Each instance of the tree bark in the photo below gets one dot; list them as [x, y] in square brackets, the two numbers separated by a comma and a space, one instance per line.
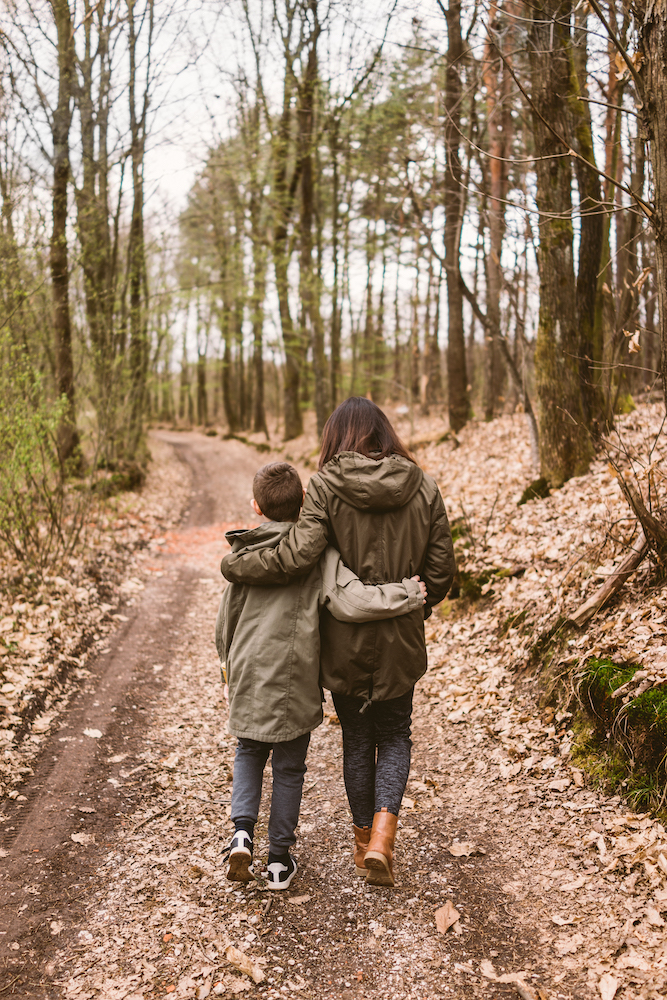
[653, 74]
[67, 435]
[565, 446]
[92, 201]
[613, 583]
[335, 361]
[457, 379]
[309, 276]
[499, 126]
[283, 197]
[591, 233]
[138, 285]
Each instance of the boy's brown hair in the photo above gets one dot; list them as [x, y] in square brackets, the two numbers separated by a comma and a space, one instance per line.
[278, 491]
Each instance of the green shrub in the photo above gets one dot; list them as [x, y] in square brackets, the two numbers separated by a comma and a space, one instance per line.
[40, 520]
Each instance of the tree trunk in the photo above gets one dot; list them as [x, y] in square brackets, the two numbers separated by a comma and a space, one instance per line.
[258, 240]
[68, 438]
[138, 286]
[499, 126]
[309, 277]
[283, 197]
[457, 379]
[335, 292]
[565, 447]
[591, 233]
[93, 217]
[653, 46]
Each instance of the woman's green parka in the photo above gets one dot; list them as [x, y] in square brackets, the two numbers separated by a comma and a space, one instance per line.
[388, 521]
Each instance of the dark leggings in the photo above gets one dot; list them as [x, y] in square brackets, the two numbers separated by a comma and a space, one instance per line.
[376, 753]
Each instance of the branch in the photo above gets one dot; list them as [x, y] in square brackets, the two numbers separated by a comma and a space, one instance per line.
[621, 48]
[653, 529]
[646, 209]
[613, 583]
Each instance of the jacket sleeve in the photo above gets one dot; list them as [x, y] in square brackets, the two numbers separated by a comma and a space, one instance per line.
[294, 555]
[440, 563]
[350, 600]
[231, 605]
[220, 644]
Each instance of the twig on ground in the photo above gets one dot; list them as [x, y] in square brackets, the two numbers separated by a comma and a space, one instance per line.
[156, 815]
[613, 583]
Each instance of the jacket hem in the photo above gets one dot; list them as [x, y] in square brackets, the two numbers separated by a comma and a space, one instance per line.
[278, 737]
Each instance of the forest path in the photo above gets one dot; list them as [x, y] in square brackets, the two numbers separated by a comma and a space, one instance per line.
[493, 824]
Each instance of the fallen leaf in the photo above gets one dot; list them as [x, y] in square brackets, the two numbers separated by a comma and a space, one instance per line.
[464, 849]
[94, 734]
[654, 917]
[299, 899]
[487, 969]
[560, 784]
[608, 986]
[243, 963]
[445, 917]
[572, 886]
[83, 838]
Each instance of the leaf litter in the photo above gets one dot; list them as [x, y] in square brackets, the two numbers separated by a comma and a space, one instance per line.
[585, 878]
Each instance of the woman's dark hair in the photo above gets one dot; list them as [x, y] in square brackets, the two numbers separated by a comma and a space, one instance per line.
[359, 425]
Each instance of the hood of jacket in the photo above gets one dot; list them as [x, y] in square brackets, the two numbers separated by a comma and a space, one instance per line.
[370, 484]
[264, 536]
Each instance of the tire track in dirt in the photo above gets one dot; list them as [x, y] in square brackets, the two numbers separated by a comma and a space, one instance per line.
[77, 787]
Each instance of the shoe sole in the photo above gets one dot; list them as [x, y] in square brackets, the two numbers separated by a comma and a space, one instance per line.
[239, 867]
[362, 872]
[379, 872]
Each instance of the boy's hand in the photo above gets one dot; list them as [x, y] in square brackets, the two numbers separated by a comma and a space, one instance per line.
[422, 587]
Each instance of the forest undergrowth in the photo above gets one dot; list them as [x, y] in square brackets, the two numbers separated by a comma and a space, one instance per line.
[51, 624]
[525, 568]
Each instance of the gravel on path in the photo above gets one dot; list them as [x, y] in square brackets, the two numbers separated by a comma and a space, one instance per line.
[554, 897]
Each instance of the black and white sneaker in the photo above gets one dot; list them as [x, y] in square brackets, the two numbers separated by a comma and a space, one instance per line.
[240, 858]
[281, 870]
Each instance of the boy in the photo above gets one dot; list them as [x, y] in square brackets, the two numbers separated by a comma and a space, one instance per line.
[268, 639]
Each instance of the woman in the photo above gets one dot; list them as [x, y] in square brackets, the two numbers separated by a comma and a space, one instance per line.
[387, 519]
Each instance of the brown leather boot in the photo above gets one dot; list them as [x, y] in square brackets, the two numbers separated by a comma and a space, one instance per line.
[380, 854]
[362, 834]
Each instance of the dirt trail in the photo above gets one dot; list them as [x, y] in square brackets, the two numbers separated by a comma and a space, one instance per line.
[494, 822]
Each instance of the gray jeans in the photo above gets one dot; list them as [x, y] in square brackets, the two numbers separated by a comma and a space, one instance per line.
[288, 764]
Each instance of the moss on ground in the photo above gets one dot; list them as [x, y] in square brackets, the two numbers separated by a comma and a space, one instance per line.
[622, 744]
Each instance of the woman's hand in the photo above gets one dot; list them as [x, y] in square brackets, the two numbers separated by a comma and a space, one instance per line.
[422, 587]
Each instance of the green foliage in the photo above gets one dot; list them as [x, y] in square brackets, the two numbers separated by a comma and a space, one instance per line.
[38, 522]
[622, 746]
[459, 529]
[605, 676]
[124, 476]
[624, 404]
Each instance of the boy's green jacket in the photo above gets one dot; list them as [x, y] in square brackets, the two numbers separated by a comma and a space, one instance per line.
[387, 519]
[269, 637]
